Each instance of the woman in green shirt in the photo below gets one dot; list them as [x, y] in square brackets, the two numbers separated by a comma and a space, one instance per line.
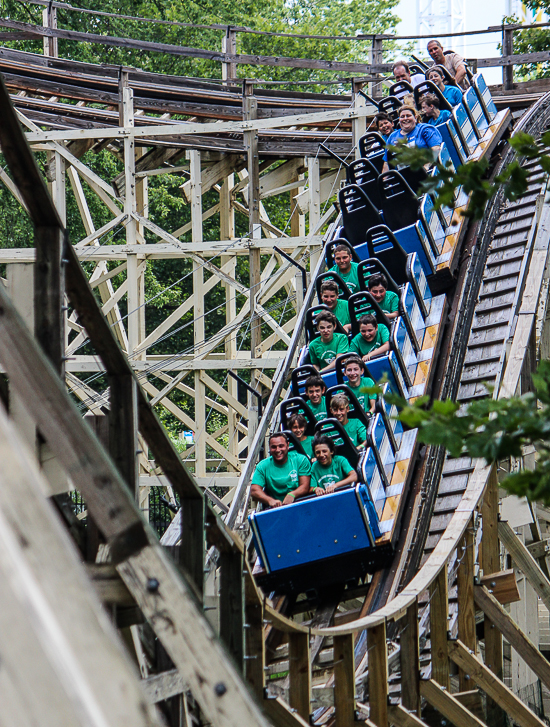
[372, 340]
[346, 268]
[298, 424]
[330, 471]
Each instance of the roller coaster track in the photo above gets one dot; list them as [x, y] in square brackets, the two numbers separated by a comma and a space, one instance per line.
[488, 307]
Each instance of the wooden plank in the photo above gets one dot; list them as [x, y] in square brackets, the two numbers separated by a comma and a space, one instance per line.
[281, 715]
[178, 621]
[513, 634]
[300, 674]
[439, 612]
[410, 660]
[400, 717]
[465, 593]
[378, 675]
[254, 637]
[53, 630]
[231, 565]
[502, 585]
[447, 705]
[123, 421]
[525, 562]
[344, 680]
[498, 691]
[163, 686]
[49, 294]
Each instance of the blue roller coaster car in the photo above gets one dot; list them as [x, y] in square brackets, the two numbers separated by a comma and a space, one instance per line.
[328, 539]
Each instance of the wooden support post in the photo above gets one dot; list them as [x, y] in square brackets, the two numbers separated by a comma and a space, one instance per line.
[123, 423]
[300, 674]
[439, 614]
[513, 634]
[49, 291]
[344, 680]
[281, 715]
[507, 50]
[314, 185]
[378, 675]
[447, 705]
[191, 552]
[490, 563]
[487, 681]
[229, 68]
[232, 604]
[401, 717]
[49, 20]
[525, 562]
[466, 608]
[410, 660]
[377, 56]
[254, 638]
[297, 218]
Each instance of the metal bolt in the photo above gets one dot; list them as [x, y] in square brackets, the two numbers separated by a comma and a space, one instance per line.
[220, 689]
[493, 584]
[466, 676]
[152, 585]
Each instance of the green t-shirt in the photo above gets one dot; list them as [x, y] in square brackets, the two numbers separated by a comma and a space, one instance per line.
[319, 410]
[362, 347]
[321, 354]
[307, 446]
[341, 311]
[390, 304]
[356, 430]
[278, 480]
[338, 470]
[351, 279]
[362, 396]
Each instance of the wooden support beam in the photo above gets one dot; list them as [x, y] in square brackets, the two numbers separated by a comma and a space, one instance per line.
[281, 715]
[490, 563]
[48, 294]
[254, 638]
[439, 614]
[344, 680]
[163, 686]
[123, 426]
[401, 717]
[378, 675]
[465, 588]
[410, 660]
[487, 681]
[231, 563]
[447, 705]
[525, 562]
[513, 634]
[502, 585]
[300, 674]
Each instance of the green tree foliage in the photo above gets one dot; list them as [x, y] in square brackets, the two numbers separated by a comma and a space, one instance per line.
[493, 430]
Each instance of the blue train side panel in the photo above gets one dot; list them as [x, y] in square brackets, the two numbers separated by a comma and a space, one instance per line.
[333, 531]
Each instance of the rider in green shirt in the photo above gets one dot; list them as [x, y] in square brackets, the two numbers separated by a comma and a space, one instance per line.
[297, 424]
[388, 301]
[324, 349]
[283, 476]
[356, 430]
[338, 306]
[346, 268]
[330, 471]
[315, 389]
[372, 340]
[357, 383]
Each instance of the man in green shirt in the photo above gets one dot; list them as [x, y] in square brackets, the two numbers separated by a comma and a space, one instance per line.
[315, 389]
[330, 470]
[282, 477]
[338, 306]
[356, 430]
[388, 301]
[346, 268]
[358, 383]
[324, 349]
[372, 340]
